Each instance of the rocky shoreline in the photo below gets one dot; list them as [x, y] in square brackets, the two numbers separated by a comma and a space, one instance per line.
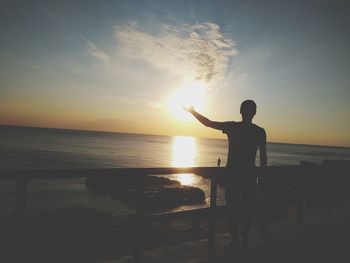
[147, 192]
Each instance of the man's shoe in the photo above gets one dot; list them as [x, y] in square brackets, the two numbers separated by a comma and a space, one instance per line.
[229, 247]
[244, 245]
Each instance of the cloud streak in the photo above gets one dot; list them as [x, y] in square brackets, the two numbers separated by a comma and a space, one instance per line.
[96, 52]
[199, 52]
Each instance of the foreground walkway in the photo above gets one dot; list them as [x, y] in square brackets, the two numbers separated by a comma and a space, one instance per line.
[316, 240]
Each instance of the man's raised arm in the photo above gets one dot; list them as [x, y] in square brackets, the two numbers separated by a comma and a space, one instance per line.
[206, 122]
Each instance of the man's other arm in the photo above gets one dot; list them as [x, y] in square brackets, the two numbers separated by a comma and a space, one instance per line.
[263, 162]
[262, 149]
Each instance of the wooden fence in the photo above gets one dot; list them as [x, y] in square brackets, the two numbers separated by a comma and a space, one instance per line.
[298, 176]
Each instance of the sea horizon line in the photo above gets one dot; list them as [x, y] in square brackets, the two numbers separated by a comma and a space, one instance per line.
[163, 135]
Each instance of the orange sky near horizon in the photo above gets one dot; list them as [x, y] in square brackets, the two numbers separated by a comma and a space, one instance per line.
[166, 126]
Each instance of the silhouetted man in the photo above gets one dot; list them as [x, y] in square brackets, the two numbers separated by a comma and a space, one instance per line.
[245, 138]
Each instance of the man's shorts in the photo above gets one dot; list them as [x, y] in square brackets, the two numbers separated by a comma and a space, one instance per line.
[240, 183]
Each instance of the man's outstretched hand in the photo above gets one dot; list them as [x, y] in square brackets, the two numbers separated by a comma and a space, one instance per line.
[188, 108]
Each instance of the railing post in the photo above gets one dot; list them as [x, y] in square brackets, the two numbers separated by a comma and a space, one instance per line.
[301, 192]
[330, 191]
[20, 199]
[212, 218]
[138, 228]
[262, 195]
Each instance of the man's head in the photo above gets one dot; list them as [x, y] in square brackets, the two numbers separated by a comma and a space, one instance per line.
[248, 110]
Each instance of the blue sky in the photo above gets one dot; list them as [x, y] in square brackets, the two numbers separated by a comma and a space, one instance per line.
[113, 65]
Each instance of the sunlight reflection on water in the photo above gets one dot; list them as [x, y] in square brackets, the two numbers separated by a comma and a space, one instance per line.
[184, 151]
[184, 154]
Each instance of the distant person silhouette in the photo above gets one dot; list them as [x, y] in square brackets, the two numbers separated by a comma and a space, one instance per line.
[219, 162]
[244, 138]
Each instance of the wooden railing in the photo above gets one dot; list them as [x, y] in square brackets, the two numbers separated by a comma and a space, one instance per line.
[294, 175]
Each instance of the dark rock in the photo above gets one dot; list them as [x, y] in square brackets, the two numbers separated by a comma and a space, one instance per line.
[147, 192]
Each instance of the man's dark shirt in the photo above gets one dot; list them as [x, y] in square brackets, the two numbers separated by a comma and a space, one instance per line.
[244, 140]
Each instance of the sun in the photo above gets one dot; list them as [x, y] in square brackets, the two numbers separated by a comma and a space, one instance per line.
[190, 94]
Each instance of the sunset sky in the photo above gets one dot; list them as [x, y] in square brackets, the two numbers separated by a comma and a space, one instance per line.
[128, 66]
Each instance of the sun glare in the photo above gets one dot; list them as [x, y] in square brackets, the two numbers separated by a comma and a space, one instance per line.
[190, 94]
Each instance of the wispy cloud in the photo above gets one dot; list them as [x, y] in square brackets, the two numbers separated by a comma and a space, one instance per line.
[199, 51]
[96, 52]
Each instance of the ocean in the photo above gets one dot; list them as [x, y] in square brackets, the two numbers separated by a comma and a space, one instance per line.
[28, 148]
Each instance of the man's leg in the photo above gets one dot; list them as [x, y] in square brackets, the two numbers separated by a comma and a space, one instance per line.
[231, 197]
[246, 211]
[246, 219]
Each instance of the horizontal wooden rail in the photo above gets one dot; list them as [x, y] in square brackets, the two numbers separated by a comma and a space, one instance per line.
[7, 174]
[77, 173]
